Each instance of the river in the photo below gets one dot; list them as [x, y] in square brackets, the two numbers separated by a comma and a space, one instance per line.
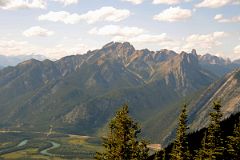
[46, 151]
[14, 148]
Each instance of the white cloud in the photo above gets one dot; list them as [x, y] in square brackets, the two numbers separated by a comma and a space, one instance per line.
[61, 16]
[37, 31]
[114, 30]
[110, 14]
[220, 18]
[61, 50]
[4, 2]
[236, 50]
[134, 35]
[169, 2]
[166, 1]
[13, 47]
[22, 4]
[147, 38]
[130, 34]
[203, 42]
[134, 1]
[214, 3]
[173, 14]
[67, 2]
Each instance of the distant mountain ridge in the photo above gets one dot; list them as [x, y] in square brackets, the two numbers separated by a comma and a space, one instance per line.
[218, 65]
[14, 60]
[79, 93]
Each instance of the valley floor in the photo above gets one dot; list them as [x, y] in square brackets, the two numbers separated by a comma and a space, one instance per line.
[22, 145]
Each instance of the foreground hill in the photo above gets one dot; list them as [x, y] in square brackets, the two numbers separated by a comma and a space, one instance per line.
[79, 94]
[226, 90]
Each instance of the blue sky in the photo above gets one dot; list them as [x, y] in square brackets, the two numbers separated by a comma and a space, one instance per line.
[56, 28]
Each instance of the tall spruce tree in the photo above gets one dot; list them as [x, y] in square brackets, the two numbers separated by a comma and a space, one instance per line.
[180, 148]
[199, 154]
[234, 142]
[212, 148]
[121, 142]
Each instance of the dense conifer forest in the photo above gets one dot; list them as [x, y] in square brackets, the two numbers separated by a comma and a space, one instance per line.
[220, 140]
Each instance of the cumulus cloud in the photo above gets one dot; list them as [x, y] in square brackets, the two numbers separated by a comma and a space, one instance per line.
[110, 14]
[13, 47]
[37, 31]
[155, 40]
[61, 50]
[203, 42]
[220, 18]
[134, 1]
[61, 16]
[134, 35]
[67, 2]
[236, 50]
[214, 3]
[173, 14]
[166, 1]
[114, 30]
[22, 4]
[148, 38]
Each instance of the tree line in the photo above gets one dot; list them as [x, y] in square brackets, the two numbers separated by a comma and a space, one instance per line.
[212, 143]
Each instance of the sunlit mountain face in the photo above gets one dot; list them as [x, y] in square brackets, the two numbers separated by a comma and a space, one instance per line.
[79, 93]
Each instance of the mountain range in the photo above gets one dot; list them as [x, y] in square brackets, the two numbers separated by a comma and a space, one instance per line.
[80, 93]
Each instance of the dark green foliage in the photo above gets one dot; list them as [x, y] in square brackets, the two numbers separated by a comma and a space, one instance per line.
[212, 147]
[234, 142]
[180, 148]
[161, 155]
[228, 143]
[121, 142]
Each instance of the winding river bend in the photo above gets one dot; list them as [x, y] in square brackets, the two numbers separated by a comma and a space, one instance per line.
[46, 151]
[24, 142]
[14, 148]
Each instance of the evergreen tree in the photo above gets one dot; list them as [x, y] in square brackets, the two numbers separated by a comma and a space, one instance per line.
[121, 142]
[234, 143]
[161, 155]
[180, 148]
[213, 149]
[199, 154]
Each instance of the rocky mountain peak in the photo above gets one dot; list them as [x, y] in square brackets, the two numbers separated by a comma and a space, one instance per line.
[194, 52]
[189, 58]
[118, 46]
[211, 59]
[117, 50]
